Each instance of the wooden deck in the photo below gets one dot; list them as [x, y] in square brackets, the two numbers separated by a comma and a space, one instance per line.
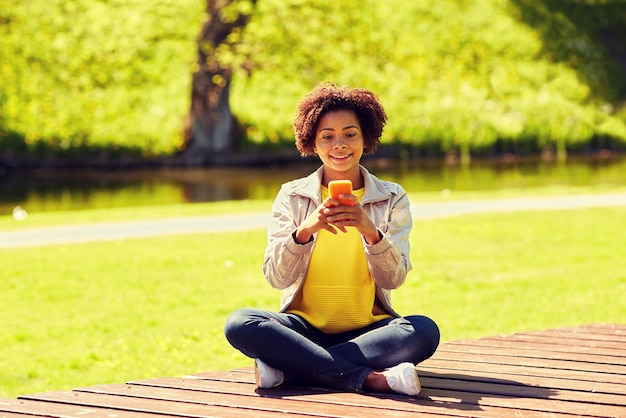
[560, 372]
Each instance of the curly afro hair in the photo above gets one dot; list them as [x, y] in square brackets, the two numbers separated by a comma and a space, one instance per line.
[330, 97]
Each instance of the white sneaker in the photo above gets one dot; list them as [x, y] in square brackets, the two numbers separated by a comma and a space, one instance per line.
[266, 376]
[403, 379]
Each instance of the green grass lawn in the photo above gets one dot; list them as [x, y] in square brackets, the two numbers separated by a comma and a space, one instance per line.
[53, 218]
[104, 312]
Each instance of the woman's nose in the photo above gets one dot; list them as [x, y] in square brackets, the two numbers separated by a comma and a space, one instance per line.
[340, 142]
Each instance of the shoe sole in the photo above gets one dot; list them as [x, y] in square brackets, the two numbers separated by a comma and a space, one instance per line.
[257, 375]
[417, 381]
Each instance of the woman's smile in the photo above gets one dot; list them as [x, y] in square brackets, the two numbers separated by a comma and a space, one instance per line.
[341, 158]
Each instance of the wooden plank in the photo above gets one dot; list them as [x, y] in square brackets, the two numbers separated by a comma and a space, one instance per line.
[152, 406]
[550, 406]
[593, 371]
[613, 354]
[612, 329]
[560, 372]
[612, 325]
[554, 344]
[532, 351]
[581, 334]
[236, 375]
[558, 340]
[615, 328]
[530, 380]
[383, 404]
[482, 375]
[307, 399]
[14, 415]
[490, 385]
[10, 408]
[460, 364]
[513, 388]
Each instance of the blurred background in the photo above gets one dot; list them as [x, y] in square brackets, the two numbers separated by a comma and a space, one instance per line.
[139, 102]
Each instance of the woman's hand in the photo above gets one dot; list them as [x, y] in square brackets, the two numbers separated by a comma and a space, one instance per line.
[315, 221]
[344, 216]
[330, 215]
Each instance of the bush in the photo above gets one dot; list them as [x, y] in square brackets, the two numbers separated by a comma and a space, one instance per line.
[84, 74]
[455, 76]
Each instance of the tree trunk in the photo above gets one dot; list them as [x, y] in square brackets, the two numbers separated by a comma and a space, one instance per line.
[211, 130]
[212, 125]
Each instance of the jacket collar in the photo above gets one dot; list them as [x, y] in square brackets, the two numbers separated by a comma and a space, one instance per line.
[311, 186]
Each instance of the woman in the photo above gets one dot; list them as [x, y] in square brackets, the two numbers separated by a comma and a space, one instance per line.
[337, 264]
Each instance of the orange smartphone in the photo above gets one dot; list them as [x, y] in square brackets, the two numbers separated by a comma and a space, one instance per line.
[337, 187]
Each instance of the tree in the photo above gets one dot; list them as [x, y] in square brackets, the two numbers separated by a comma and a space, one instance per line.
[211, 125]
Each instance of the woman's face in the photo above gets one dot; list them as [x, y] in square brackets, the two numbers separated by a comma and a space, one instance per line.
[339, 144]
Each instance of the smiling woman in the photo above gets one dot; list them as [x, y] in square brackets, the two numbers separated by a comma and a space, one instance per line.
[336, 263]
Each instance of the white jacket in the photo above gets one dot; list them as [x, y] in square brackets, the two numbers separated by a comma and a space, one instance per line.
[387, 205]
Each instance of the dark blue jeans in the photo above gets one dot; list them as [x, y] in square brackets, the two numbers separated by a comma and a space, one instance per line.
[342, 361]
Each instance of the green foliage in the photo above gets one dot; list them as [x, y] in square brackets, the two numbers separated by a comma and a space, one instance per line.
[454, 75]
[85, 74]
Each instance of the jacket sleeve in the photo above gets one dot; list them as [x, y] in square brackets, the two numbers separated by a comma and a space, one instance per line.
[285, 260]
[389, 259]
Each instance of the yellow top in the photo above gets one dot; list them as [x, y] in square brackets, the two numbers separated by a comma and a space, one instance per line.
[338, 293]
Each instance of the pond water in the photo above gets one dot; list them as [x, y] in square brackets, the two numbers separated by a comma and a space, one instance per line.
[54, 190]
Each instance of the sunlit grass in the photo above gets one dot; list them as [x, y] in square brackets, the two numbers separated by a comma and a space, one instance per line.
[44, 219]
[102, 312]
[137, 308]
[514, 193]
[499, 273]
